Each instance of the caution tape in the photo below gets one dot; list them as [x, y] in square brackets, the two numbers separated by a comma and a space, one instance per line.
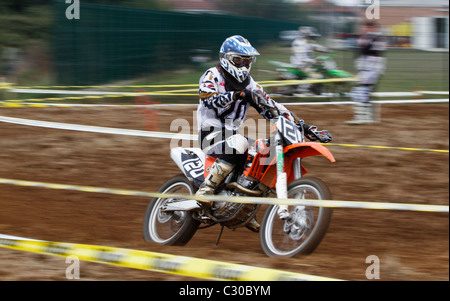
[390, 147]
[159, 262]
[161, 105]
[12, 86]
[305, 81]
[109, 95]
[166, 135]
[69, 105]
[245, 200]
[269, 82]
[183, 92]
[79, 105]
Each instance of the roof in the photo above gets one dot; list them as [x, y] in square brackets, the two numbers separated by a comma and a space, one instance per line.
[409, 3]
[415, 3]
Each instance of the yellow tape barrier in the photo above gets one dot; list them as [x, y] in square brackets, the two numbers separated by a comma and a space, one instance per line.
[182, 92]
[389, 147]
[268, 82]
[248, 200]
[106, 95]
[159, 262]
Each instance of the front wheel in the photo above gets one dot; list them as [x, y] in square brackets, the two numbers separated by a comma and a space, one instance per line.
[306, 227]
[170, 228]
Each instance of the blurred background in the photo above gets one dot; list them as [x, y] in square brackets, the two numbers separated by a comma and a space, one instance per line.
[174, 41]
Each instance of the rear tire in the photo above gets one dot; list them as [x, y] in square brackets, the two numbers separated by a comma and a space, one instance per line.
[170, 228]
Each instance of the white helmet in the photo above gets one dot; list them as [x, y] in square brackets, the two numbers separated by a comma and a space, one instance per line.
[309, 33]
[237, 56]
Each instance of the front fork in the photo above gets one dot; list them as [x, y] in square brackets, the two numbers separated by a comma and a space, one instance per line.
[281, 184]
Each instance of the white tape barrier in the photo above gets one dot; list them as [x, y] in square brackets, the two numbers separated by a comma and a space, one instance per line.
[245, 200]
[403, 101]
[164, 135]
[11, 237]
[96, 129]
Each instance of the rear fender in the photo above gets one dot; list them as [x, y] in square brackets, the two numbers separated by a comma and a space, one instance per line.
[190, 161]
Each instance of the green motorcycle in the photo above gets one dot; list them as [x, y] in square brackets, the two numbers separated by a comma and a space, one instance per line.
[324, 68]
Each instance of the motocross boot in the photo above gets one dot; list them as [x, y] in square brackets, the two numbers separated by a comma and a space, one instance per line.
[218, 172]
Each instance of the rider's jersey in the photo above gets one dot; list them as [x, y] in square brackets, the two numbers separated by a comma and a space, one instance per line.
[217, 109]
[371, 47]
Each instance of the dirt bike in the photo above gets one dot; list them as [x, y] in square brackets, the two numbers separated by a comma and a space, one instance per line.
[324, 68]
[273, 165]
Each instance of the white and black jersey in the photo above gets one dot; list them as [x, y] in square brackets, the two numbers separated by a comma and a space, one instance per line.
[370, 64]
[371, 47]
[217, 110]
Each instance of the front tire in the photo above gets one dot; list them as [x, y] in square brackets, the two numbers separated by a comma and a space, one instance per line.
[301, 234]
[170, 228]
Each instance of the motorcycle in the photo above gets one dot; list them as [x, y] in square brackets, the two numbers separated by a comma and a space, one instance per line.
[324, 68]
[273, 166]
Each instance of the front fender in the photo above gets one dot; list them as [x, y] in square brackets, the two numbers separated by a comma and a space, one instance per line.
[307, 149]
[291, 152]
[302, 150]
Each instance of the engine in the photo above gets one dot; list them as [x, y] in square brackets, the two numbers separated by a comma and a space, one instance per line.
[230, 214]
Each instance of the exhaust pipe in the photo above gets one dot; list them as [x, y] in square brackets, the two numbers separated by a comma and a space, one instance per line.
[245, 190]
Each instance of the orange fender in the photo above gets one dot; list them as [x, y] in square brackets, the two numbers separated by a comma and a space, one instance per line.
[307, 149]
[302, 150]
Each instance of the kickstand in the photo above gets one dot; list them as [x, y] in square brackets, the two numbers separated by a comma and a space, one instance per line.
[220, 235]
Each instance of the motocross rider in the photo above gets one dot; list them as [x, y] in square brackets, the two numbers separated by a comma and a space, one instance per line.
[370, 64]
[226, 92]
[303, 49]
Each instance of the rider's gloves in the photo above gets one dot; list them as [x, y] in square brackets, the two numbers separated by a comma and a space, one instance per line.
[254, 97]
[244, 94]
[313, 134]
[258, 100]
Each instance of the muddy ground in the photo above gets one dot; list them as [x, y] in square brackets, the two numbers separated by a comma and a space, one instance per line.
[410, 245]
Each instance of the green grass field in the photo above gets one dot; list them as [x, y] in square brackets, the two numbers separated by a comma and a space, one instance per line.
[407, 69]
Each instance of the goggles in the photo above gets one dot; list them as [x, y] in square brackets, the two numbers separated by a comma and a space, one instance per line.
[241, 60]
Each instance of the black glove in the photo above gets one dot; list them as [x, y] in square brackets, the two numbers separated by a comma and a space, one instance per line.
[313, 134]
[244, 94]
[254, 97]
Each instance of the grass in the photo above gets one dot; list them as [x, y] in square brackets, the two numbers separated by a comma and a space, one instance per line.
[407, 70]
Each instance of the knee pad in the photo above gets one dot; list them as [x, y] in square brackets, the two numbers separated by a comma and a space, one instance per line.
[237, 143]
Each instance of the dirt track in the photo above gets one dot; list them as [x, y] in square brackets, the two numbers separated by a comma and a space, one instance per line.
[410, 245]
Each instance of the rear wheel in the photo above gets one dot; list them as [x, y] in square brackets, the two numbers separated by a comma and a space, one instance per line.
[306, 227]
[174, 227]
